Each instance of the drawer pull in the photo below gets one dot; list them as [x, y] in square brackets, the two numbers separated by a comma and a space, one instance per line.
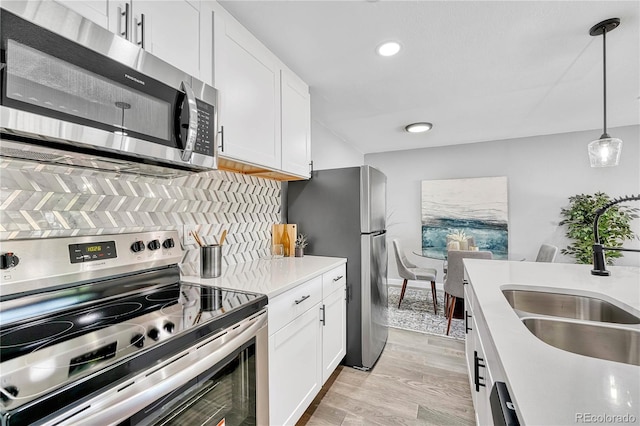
[477, 363]
[302, 299]
[338, 278]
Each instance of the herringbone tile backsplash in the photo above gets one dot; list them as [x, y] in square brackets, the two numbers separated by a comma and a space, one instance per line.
[42, 201]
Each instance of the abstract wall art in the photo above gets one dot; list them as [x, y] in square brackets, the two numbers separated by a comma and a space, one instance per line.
[477, 207]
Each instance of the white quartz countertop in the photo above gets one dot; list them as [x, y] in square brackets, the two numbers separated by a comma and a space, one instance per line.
[550, 386]
[270, 276]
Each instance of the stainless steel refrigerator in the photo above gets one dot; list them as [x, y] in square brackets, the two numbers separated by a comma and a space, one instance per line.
[343, 213]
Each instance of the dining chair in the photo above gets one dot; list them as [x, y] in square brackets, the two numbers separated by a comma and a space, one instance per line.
[547, 253]
[454, 281]
[410, 272]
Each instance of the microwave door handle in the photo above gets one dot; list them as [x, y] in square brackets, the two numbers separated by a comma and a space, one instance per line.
[192, 130]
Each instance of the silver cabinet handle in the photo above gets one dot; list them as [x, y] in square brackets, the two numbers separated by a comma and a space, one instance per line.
[141, 26]
[338, 278]
[302, 299]
[125, 14]
[221, 133]
[322, 320]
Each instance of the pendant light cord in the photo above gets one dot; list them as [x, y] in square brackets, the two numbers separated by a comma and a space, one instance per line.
[604, 78]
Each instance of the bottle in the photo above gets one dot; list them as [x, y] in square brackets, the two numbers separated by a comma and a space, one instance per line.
[286, 242]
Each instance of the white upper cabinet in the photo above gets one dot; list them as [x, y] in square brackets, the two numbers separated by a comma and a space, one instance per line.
[247, 76]
[265, 109]
[168, 29]
[296, 124]
[94, 10]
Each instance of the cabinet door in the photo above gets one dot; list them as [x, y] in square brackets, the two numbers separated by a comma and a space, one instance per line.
[247, 75]
[295, 371]
[95, 10]
[479, 379]
[296, 125]
[171, 31]
[334, 331]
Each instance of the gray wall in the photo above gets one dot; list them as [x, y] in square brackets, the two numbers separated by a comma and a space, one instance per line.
[542, 172]
[328, 151]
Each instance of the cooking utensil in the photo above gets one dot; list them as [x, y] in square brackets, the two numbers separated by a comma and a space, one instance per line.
[197, 238]
[223, 236]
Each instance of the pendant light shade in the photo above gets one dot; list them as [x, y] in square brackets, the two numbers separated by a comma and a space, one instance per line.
[604, 152]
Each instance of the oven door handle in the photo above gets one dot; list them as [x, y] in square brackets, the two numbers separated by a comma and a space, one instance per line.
[123, 401]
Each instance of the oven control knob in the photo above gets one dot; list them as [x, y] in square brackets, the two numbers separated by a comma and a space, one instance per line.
[11, 390]
[154, 334]
[8, 260]
[137, 246]
[168, 243]
[169, 327]
[153, 245]
[138, 340]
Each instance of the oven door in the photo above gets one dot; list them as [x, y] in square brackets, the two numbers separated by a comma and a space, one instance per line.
[222, 381]
[71, 90]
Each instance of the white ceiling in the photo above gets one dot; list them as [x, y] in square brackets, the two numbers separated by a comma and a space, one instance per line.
[477, 70]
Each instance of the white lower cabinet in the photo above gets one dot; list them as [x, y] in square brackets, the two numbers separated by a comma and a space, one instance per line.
[334, 330]
[295, 377]
[482, 361]
[307, 341]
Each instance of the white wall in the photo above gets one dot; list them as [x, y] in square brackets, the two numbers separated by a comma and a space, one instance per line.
[542, 172]
[330, 152]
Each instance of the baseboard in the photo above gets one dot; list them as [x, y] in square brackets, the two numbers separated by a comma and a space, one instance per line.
[397, 282]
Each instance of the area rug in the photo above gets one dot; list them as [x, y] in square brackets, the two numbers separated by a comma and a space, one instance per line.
[416, 313]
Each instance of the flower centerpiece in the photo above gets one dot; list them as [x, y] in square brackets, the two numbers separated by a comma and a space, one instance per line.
[457, 240]
[301, 243]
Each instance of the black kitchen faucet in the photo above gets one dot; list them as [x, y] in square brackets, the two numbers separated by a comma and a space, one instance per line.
[599, 264]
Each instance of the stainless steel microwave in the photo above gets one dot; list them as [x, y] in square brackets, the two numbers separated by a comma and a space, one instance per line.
[74, 92]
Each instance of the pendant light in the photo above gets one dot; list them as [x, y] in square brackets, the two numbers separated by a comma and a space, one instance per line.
[605, 151]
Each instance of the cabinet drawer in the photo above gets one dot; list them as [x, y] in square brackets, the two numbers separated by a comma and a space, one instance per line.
[333, 279]
[289, 305]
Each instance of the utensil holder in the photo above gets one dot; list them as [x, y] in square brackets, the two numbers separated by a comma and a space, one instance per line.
[211, 261]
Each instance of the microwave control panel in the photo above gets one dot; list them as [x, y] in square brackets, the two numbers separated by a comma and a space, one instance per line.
[206, 130]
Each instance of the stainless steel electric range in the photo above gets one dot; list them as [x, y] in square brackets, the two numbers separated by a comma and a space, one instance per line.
[100, 330]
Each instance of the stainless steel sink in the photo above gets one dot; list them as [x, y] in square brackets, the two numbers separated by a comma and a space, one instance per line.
[597, 341]
[568, 306]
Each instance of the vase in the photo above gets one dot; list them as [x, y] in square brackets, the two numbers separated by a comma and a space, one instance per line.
[453, 245]
[464, 245]
[299, 252]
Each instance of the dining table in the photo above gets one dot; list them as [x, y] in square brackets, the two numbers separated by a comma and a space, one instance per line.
[438, 253]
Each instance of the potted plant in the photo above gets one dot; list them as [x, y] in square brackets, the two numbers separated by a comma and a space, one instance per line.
[614, 226]
[301, 243]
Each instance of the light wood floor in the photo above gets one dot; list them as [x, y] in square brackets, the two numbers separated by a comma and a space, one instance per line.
[420, 379]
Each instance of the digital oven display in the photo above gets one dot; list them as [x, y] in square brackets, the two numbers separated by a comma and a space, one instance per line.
[87, 360]
[89, 252]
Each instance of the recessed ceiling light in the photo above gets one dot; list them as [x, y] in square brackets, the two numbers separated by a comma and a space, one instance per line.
[418, 127]
[389, 48]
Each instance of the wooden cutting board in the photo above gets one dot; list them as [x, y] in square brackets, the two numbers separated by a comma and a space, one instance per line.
[277, 232]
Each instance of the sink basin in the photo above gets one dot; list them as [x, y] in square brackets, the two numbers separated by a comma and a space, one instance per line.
[613, 344]
[568, 306]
